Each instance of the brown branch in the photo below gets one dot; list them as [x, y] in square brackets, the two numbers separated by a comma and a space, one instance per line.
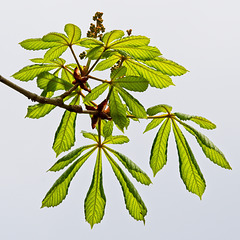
[56, 101]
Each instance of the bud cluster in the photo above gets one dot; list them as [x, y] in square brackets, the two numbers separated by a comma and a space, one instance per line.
[97, 29]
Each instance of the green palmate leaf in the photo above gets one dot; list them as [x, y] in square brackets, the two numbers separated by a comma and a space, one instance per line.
[140, 52]
[49, 82]
[155, 78]
[202, 122]
[95, 201]
[158, 156]
[209, 149]
[166, 66]
[118, 73]
[189, 169]
[69, 158]
[55, 52]
[90, 42]
[56, 37]
[96, 92]
[133, 201]
[95, 53]
[37, 44]
[91, 136]
[111, 36]
[116, 140]
[154, 123]
[135, 171]
[59, 190]
[158, 109]
[65, 135]
[73, 32]
[107, 129]
[133, 104]
[117, 110]
[107, 63]
[30, 72]
[133, 83]
[131, 41]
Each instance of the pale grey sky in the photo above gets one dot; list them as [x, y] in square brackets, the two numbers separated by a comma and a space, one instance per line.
[204, 37]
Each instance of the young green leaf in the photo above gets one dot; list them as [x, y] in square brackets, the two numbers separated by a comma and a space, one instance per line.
[65, 135]
[116, 140]
[95, 200]
[154, 123]
[107, 129]
[49, 82]
[90, 42]
[37, 44]
[202, 122]
[155, 78]
[158, 109]
[130, 41]
[91, 136]
[56, 37]
[140, 52]
[158, 157]
[117, 110]
[133, 83]
[209, 149]
[96, 92]
[30, 72]
[95, 53]
[73, 32]
[166, 66]
[133, 201]
[118, 73]
[69, 158]
[59, 190]
[39, 110]
[189, 169]
[111, 36]
[135, 171]
[55, 52]
[107, 63]
[133, 104]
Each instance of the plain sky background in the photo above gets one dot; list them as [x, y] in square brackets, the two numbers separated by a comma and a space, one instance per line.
[204, 37]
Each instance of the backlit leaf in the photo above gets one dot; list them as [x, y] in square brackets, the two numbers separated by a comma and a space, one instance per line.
[133, 83]
[65, 135]
[117, 110]
[49, 82]
[158, 156]
[107, 63]
[135, 171]
[158, 109]
[140, 52]
[209, 149]
[202, 122]
[155, 78]
[118, 72]
[154, 123]
[90, 42]
[69, 158]
[130, 41]
[111, 36]
[91, 136]
[55, 52]
[95, 53]
[37, 44]
[107, 129]
[133, 201]
[189, 169]
[73, 32]
[95, 201]
[59, 190]
[166, 66]
[96, 92]
[116, 140]
[56, 37]
[30, 72]
[133, 104]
